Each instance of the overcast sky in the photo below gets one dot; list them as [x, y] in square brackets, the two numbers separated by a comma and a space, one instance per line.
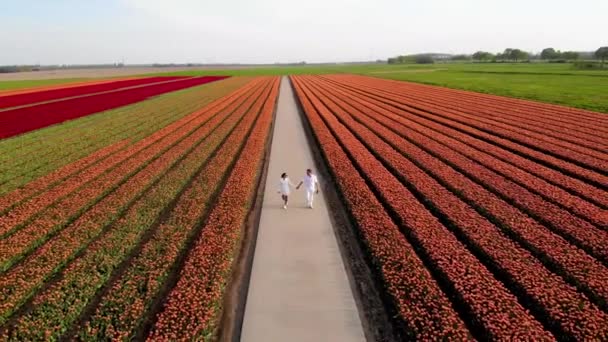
[269, 31]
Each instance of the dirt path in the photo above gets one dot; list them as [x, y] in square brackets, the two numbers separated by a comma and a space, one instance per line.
[299, 290]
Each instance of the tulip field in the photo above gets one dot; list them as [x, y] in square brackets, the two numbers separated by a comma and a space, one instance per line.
[135, 238]
[124, 204]
[483, 217]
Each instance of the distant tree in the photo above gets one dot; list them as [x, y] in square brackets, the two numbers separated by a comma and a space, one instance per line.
[549, 53]
[569, 55]
[392, 60]
[424, 59]
[515, 54]
[482, 56]
[602, 53]
[460, 58]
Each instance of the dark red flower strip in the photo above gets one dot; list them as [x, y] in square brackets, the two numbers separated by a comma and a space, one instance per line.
[21, 281]
[532, 183]
[10, 200]
[67, 206]
[25, 119]
[7, 101]
[565, 308]
[573, 130]
[539, 108]
[191, 305]
[565, 166]
[584, 190]
[11, 92]
[494, 309]
[577, 154]
[574, 264]
[59, 305]
[122, 310]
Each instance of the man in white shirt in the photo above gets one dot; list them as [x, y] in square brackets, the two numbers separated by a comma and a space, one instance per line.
[311, 184]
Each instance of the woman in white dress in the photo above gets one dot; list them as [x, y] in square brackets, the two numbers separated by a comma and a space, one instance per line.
[285, 186]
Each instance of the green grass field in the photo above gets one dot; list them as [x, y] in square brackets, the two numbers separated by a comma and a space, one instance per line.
[558, 83]
[22, 84]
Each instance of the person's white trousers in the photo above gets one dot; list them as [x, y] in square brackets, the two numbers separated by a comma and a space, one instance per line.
[310, 193]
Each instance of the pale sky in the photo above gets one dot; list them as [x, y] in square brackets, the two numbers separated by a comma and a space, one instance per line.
[269, 31]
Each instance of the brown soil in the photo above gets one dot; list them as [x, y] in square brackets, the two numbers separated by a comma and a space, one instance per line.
[92, 73]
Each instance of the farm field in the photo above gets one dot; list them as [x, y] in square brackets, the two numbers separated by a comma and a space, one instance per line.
[558, 83]
[483, 217]
[108, 244]
[125, 204]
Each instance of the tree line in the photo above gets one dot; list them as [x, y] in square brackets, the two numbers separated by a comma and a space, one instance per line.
[508, 55]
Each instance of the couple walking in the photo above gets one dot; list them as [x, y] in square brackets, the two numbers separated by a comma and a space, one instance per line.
[311, 185]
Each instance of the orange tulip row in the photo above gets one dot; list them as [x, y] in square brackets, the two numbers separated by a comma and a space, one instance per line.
[192, 305]
[552, 298]
[61, 304]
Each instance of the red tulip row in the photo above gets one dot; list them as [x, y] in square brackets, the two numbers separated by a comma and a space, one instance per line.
[569, 311]
[24, 119]
[532, 183]
[191, 306]
[572, 132]
[542, 112]
[593, 158]
[10, 92]
[10, 200]
[64, 92]
[22, 280]
[495, 310]
[572, 185]
[437, 116]
[579, 268]
[584, 234]
[28, 156]
[422, 307]
[51, 219]
[585, 209]
[59, 305]
[121, 311]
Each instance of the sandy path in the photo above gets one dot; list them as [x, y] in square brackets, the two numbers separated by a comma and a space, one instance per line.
[299, 289]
